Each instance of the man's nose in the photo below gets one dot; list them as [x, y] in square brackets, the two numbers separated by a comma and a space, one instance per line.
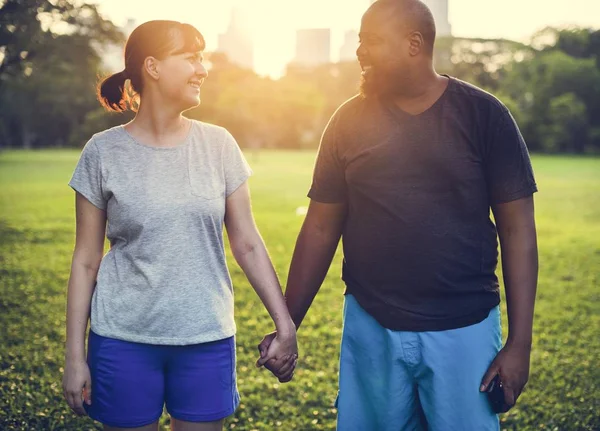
[361, 50]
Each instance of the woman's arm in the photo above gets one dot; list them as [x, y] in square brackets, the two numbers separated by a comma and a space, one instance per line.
[251, 254]
[89, 248]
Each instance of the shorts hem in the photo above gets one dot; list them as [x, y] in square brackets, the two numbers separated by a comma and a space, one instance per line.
[117, 424]
[206, 417]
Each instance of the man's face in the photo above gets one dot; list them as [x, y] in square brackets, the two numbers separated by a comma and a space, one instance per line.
[383, 53]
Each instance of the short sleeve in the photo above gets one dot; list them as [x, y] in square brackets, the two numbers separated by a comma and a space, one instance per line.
[235, 166]
[509, 173]
[329, 180]
[87, 177]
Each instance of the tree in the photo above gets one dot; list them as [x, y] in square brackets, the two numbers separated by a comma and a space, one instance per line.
[48, 68]
[27, 25]
[536, 84]
[568, 128]
[482, 62]
[259, 111]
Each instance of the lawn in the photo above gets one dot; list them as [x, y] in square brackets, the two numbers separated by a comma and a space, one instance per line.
[37, 234]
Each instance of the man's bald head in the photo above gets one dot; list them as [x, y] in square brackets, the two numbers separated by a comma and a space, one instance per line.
[414, 14]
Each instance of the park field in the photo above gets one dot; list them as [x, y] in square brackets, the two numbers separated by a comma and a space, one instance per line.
[36, 243]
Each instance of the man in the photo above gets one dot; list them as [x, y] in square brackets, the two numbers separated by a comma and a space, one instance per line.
[406, 174]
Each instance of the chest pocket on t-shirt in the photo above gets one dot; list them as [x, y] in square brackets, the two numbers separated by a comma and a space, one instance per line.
[206, 181]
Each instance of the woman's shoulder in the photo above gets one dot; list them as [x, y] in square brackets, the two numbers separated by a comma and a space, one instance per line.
[110, 137]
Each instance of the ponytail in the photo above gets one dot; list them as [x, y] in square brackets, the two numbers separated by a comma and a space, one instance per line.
[112, 93]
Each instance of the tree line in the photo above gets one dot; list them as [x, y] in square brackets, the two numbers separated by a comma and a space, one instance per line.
[51, 58]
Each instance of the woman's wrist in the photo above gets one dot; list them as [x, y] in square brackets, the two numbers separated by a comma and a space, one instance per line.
[285, 327]
[74, 351]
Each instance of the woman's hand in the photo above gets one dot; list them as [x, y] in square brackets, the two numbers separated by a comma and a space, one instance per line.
[77, 385]
[279, 354]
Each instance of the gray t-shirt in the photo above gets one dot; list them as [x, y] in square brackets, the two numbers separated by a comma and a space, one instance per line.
[164, 279]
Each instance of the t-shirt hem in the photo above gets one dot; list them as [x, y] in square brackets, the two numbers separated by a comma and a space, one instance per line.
[100, 204]
[136, 338]
[528, 191]
[437, 325]
[413, 324]
[238, 183]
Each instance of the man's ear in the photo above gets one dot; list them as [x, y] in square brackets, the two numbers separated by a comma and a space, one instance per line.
[151, 67]
[415, 43]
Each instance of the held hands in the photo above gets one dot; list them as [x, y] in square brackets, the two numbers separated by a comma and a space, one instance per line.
[512, 364]
[279, 354]
[77, 386]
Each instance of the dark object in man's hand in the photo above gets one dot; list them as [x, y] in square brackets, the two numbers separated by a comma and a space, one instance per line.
[495, 395]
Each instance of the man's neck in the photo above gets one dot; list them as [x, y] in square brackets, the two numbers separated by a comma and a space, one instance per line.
[425, 90]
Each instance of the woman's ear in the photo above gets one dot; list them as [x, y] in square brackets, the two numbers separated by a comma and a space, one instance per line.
[151, 67]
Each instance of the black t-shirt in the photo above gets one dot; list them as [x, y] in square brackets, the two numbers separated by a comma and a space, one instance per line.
[420, 249]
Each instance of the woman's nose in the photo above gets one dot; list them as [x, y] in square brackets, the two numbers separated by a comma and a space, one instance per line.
[201, 71]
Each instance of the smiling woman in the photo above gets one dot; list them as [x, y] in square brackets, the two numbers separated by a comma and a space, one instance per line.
[166, 41]
[161, 188]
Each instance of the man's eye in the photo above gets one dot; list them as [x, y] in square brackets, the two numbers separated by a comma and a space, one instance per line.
[368, 41]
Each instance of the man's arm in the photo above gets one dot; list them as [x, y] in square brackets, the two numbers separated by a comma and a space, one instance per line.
[313, 253]
[518, 244]
[315, 247]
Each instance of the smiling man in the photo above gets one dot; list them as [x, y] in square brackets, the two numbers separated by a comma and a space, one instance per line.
[406, 175]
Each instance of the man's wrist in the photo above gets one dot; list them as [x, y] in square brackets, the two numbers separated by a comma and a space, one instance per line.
[522, 342]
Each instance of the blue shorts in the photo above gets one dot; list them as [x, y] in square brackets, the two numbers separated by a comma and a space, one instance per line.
[131, 382]
[398, 380]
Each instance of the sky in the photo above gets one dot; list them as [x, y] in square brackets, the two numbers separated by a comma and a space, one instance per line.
[273, 23]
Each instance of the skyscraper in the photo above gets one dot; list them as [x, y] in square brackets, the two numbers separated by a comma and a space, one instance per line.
[348, 49]
[236, 42]
[439, 9]
[313, 46]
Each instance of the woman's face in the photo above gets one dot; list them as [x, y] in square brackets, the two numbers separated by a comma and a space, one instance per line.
[181, 76]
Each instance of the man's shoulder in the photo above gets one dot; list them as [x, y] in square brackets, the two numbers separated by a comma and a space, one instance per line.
[349, 109]
[352, 103]
[465, 92]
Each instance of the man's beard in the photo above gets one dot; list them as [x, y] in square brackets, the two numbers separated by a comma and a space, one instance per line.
[367, 88]
[381, 84]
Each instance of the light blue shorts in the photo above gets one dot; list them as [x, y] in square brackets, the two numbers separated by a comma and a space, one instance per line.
[399, 380]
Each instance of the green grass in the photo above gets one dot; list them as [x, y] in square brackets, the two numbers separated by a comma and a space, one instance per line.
[37, 234]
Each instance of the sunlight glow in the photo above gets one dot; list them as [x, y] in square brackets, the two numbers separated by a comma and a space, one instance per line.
[272, 24]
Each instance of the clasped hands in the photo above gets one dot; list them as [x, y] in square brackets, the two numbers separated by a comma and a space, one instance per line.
[279, 354]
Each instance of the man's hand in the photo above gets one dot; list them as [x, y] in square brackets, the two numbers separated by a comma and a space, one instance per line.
[282, 368]
[512, 364]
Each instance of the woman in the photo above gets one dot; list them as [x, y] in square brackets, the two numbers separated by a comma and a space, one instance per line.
[160, 302]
